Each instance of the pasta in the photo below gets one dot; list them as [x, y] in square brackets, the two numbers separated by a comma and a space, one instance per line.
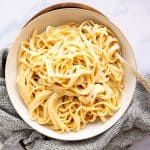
[69, 75]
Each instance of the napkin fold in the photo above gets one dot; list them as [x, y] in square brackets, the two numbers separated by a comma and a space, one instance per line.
[134, 125]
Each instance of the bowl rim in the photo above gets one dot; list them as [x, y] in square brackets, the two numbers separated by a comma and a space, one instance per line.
[63, 5]
[66, 139]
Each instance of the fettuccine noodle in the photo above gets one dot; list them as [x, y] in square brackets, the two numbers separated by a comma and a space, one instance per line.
[69, 75]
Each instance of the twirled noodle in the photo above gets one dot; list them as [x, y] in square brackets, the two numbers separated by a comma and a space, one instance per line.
[69, 75]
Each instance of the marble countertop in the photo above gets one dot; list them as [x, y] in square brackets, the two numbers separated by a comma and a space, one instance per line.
[132, 17]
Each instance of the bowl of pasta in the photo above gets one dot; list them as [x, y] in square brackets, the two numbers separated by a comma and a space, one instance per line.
[63, 73]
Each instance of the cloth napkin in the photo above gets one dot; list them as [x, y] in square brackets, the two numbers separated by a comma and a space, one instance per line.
[134, 125]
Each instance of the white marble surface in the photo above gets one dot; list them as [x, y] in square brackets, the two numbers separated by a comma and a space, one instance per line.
[131, 16]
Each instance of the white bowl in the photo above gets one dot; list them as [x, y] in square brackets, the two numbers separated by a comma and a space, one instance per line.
[57, 17]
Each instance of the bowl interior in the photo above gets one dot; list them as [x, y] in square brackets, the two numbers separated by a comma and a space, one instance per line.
[58, 17]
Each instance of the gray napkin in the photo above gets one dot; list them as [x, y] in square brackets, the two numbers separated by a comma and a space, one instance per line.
[134, 125]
